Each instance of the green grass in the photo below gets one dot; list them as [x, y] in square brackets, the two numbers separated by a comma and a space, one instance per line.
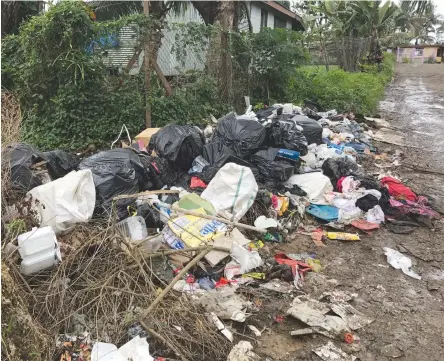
[341, 90]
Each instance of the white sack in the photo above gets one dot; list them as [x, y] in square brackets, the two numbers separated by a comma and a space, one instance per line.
[232, 191]
[314, 184]
[65, 201]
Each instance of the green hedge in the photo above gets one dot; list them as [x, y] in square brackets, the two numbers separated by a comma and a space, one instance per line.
[341, 90]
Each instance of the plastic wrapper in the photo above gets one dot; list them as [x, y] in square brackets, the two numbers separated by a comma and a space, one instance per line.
[242, 136]
[179, 144]
[284, 134]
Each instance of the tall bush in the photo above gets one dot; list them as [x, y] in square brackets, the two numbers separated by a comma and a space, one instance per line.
[68, 96]
[343, 90]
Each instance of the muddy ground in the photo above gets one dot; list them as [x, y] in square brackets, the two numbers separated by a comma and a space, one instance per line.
[408, 313]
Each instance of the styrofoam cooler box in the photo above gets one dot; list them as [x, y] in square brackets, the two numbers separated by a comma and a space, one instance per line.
[41, 260]
[37, 240]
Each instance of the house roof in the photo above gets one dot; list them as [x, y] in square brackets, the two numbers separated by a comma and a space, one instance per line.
[295, 18]
[421, 46]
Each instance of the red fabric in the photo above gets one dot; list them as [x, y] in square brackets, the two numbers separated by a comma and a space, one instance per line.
[364, 225]
[339, 184]
[301, 267]
[197, 183]
[223, 282]
[398, 190]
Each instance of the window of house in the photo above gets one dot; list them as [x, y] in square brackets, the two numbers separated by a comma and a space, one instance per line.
[419, 52]
[279, 23]
[264, 18]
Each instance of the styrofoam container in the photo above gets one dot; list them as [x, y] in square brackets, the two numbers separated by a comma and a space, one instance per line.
[37, 240]
[41, 260]
[134, 228]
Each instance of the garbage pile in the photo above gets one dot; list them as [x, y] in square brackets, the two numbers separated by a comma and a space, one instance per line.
[213, 201]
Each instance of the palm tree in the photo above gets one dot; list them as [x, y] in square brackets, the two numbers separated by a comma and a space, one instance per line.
[373, 17]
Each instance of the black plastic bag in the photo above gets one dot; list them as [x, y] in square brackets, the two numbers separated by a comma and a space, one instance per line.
[21, 157]
[217, 154]
[335, 168]
[367, 202]
[266, 112]
[117, 171]
[270, 168]
[284, 134]
[243, 136]
[60, 163]
[179, 144]
[162, 172]
[312, 130]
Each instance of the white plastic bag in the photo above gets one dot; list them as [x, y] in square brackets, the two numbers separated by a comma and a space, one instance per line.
[232, 191]
[65, 201]
[247, 260]
[376, 215]
[398, 261]
[314, 184]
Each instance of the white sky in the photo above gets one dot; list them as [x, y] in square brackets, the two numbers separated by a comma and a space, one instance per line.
[439, 6]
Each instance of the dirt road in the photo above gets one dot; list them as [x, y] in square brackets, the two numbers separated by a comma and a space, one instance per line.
[408, 313]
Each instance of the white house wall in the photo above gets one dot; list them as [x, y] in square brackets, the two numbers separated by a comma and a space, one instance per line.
[167, 59]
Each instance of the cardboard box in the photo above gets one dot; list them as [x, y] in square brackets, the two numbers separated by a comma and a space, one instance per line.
[146, 135]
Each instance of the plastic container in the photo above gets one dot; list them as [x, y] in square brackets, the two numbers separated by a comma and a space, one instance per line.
[37, 240]
[40, 261]
[134, 228]
[288, 154]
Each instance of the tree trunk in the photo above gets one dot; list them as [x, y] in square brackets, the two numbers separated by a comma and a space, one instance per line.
[218, 55]
[207, 9]
[248, 15]
[147, 67]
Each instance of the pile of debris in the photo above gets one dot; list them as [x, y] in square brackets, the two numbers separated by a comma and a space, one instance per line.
[171, 236]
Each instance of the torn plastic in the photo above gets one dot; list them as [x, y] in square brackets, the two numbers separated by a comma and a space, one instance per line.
[136, 349]
[243, 351]
[220, 326]
[398, 261]
[330, 352]
[225, 304]
[248, 260]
